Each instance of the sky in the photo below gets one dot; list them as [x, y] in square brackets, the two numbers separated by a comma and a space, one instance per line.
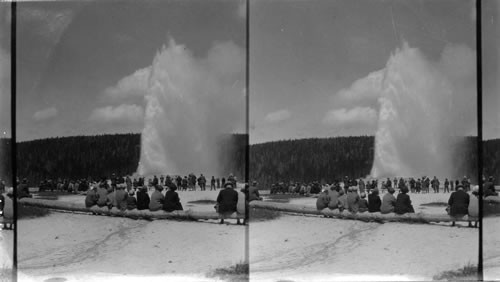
[308, 64]
[491, 63]
[79, 61]
[83, 65]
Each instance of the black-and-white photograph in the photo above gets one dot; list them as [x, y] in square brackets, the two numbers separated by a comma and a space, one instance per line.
[131, 140]
[6, 191]
[491, 137]
[249, 140]
[363, 125]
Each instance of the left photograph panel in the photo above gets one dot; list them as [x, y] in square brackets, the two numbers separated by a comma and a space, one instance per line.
[6, 179]
[131, 139]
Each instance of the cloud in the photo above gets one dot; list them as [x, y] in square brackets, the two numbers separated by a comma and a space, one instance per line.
[131, 86]
[45, 114]
[354, 116]
[278, 116]
[124, 114]
[364, 91]
[455, 69]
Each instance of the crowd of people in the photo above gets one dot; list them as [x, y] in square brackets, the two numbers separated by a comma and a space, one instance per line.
[123, 197]
[188, 182]
[419, 185]
[460, 202]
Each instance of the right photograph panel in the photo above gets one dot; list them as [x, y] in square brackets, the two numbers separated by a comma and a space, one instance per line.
[491, 136]
[363, 140]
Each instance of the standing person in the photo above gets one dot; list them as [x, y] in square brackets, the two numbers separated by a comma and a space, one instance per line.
[435, 184]
[418, 186]
[223, 182]
[361, 185]
[185, 183]
[201, 182]
[155, 181]
[212, 183]
[178, 181]
[446, 186]
[172, 201]
[128, 182]
[388, 201]
[143, 198]
[452, 185]
[157, 199]
[458, 203]
[218, 182]
[227, 201]
[374, 201]
[403, 203]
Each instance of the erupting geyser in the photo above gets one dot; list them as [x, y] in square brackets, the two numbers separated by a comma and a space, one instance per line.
[424, 109]
[190, 103]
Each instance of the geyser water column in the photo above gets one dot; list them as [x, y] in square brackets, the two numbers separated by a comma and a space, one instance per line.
[190, 103]
[414, 131]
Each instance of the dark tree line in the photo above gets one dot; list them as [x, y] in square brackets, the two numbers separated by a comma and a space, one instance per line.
[330, 159]
[491, 159]
[305, 160]
[6, 161]
[78, 157]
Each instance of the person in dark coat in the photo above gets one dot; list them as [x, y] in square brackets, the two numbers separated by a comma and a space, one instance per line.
[143, 199]
[23, 190]
[458, 203]
[131, 201]
[403, 202]
[363, 203]
[91, 198]
[374, 201]
[172, 201]
[227, 201]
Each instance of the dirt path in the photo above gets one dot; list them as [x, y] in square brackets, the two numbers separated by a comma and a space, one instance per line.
[83, 247]
[316, 249]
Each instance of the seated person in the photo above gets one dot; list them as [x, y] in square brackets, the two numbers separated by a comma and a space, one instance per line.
[157, 199]
[131, 201]
[374, 201]
[323, 200]
[363, 203]
[403, 202]
[143, 198]
[91, 198]
[172, 201]
[388, 201]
